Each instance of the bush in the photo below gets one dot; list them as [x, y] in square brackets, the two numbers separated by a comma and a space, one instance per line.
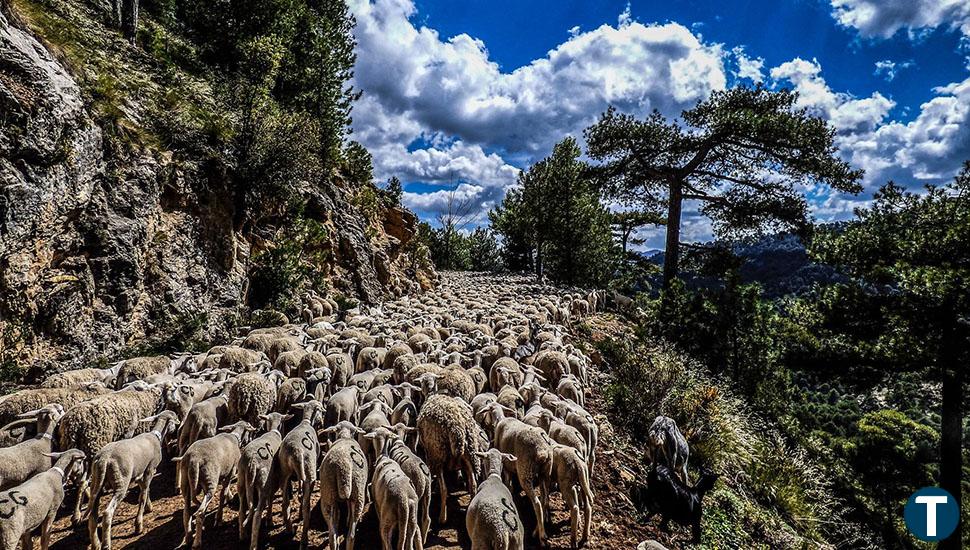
[733, 332]
[181, 332]
[295, 263]
[12, 337]
[775, 487]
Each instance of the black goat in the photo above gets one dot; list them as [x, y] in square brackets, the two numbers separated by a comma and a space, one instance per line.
[674, 500]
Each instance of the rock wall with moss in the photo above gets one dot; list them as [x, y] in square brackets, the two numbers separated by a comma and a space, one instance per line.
[110, 240]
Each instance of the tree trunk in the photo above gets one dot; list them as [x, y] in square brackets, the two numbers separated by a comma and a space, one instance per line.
[672, 251]
[951, 442]
[539, 262]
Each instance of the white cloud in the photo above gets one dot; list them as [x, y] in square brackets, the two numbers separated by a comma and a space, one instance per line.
[748, 67]
[884, 18]
[626, 16]
[889, 68]
[927, 149]
[418, 85]
[451, 200]
[847, 113]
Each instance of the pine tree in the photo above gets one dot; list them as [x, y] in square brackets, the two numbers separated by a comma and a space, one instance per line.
[741, 153]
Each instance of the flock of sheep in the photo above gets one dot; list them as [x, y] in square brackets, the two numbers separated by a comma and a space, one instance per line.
[357, 410]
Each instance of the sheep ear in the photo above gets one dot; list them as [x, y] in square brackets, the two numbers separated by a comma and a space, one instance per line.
[510, 458]
[29, 414]
[370, 436]
[54, 456]
[149, 419]
[287, 417]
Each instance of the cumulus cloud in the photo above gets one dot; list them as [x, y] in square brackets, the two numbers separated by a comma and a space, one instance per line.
[928, 149]
[850, 115]
[889, 68]
[748, 67]
[884, 18]
[418, 85]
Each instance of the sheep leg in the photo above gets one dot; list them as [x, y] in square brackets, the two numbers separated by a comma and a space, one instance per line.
[545, 491]
[27, 541]
[574, 523]
[387, 533]
[81, 492]
[45, 531]
[287, 496]
[109, 512]
[93, 514]
[148, 500]
[256, 520]
[425, 514]
[327, 512]
[352, 531]
[243, 513]
[305, 510]
[145, 504]
[470, 475]
[200, 518]
[443, 493]
[222, 504]
[186, 514]
[536, 501]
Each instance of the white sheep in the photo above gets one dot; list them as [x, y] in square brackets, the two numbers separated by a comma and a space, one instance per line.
[207, 465]
[448, 433]
[297, 460]
[121, 463]
[397, 504]
[492, 520]
[34, 503]
[254, 476]
[343, 481]
[23, 460]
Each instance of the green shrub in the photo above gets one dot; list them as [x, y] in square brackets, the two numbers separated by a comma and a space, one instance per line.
[12, 336]
[181, 332]
[785, 495]
[297, 261]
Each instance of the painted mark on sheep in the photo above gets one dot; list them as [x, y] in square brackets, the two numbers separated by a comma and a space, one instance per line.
[357, 458]
[263, 452]
[509, 515]
[309, 443]
[17, 499]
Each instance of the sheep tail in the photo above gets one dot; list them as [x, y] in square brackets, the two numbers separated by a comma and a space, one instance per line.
[344, 483]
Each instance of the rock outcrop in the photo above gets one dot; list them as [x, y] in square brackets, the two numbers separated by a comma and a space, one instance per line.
[101, 244]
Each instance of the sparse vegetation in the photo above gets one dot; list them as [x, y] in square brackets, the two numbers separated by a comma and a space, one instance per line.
[296, 263]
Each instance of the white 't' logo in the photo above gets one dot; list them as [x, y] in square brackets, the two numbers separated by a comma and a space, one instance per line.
[931, 502]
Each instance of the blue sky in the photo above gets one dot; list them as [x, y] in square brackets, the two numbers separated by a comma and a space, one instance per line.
[461, 95]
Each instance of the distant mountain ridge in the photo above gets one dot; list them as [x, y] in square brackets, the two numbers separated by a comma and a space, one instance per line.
[779, 263]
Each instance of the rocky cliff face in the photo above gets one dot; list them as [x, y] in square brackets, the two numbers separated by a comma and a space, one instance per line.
[101, 246]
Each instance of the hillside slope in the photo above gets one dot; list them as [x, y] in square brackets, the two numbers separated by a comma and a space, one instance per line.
[111, 229]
